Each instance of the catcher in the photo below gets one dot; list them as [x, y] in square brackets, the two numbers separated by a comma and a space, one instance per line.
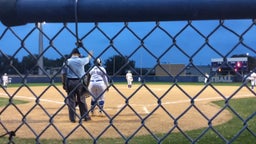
[97, 86]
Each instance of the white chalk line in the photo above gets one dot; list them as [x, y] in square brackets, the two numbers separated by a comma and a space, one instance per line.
[32, 98]
[144, 106]
[146, 110]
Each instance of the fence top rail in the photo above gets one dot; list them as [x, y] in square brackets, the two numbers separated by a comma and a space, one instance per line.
[19, 12]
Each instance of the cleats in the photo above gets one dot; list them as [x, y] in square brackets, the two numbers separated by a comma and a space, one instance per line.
[92, 113]
[101, 114]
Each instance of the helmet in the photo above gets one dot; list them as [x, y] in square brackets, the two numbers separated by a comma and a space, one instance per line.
[98, 61]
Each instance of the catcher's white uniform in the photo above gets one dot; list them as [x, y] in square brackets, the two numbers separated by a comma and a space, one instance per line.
[129, 79]
[97, 86]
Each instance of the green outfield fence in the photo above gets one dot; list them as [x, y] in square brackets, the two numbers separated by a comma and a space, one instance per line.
[37, 36]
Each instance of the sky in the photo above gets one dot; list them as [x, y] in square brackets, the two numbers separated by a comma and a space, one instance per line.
[173, 42]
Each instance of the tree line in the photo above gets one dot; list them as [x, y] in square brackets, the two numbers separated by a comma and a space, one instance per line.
[115, 65]
[29, 64]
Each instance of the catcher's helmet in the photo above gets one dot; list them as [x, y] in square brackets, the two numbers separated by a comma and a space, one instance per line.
[98, 61]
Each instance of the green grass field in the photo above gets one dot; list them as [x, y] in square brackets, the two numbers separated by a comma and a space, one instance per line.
[5, 101]
[236, 131]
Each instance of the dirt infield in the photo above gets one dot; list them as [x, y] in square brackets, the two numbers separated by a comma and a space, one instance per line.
[128, 111]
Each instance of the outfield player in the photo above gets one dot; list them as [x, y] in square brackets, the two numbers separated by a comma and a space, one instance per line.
[129, 78]
[206, 79]
[98, 86]
[253, 79]
[72, 73]
[5, 80]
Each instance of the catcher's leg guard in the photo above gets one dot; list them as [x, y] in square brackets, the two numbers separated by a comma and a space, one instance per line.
[101, 104]
[93, 103]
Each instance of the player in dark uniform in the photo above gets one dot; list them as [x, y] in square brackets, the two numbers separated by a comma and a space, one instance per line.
[72, 74]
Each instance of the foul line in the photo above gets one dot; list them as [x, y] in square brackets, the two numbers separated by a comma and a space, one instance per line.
[144, 106]
[146, 110]
[32, 98]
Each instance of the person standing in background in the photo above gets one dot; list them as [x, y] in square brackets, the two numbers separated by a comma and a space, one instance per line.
[206, 79]
[5, 79]
[98, 86]
[72, 79]
[129, 78]
[253, 79]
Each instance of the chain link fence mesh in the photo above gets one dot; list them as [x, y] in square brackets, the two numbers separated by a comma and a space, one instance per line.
[151, 45]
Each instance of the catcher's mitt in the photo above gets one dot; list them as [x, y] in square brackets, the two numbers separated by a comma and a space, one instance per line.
[86, 79]
[87, 95]
[85, 92]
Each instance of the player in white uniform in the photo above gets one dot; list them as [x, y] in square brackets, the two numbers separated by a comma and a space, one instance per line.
[98, 86]
[5, 80]
[253, 79]
[206, 79]
[129, 78]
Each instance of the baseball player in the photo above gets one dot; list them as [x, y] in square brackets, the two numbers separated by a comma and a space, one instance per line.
[129, 78]
[5, 80]
[72, 74]
[97, 86]
[253, 79]
[206, 79]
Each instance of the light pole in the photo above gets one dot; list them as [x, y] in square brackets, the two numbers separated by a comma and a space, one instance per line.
[140, 64]
[40, 50]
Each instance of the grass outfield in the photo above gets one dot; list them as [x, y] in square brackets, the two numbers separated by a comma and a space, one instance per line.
[234, 131]
[5, 101]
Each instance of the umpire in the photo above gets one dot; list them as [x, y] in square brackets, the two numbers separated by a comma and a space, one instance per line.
[72, 75]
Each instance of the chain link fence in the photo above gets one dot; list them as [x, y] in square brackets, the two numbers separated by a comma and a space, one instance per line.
[35, 53]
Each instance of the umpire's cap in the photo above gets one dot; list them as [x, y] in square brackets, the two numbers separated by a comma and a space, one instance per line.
[75, 51]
